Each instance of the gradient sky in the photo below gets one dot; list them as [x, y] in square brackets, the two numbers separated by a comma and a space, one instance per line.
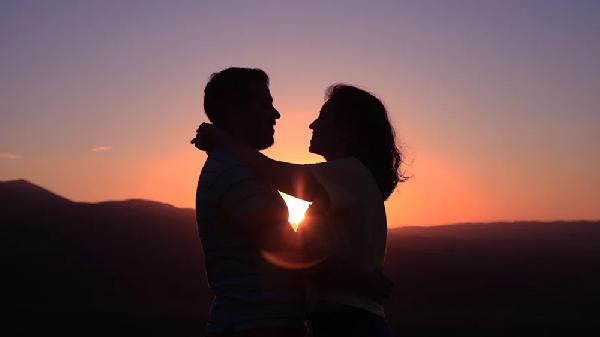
[496, 103]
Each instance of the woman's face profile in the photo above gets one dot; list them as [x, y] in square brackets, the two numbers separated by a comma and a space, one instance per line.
[327, 140]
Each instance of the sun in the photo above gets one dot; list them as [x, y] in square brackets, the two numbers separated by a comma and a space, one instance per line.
[296, 208]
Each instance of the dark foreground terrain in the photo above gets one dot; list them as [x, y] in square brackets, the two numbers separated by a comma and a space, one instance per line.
[135, 267]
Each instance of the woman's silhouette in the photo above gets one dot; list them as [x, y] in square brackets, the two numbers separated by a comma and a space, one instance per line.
[347, 217]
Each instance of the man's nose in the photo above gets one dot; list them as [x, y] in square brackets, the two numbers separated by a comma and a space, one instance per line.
[312, 125]
[276, 114]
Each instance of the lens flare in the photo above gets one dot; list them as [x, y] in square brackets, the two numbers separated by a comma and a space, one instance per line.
[291, 259]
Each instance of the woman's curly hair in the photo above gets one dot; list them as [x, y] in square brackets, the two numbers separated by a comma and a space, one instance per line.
[372, 136]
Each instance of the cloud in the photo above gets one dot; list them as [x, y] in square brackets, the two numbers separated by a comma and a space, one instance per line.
[102, 148]
[10, 155]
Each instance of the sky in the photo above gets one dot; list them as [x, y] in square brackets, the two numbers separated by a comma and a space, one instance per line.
[496, 104]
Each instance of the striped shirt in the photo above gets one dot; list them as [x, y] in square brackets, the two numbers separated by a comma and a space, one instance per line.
[235, 211]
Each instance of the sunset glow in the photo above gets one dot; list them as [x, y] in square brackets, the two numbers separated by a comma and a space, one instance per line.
[495, 103]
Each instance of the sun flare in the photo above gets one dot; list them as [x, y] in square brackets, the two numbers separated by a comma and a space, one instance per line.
[296, 208]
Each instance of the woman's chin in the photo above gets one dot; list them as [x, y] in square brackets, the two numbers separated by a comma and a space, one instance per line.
[312, 148]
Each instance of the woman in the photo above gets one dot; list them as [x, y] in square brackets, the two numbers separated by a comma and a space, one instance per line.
[347, 218]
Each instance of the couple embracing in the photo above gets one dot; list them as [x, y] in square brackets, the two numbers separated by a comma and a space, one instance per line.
[269, 280]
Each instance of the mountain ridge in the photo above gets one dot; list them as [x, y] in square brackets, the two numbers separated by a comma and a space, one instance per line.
[23, 189]
[24, 186]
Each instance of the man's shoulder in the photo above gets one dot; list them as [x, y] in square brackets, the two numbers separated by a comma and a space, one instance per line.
[221, 159]
[221, 164]
[225, 171]
[230, 186]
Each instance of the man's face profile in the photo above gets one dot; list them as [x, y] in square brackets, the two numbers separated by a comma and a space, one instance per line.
[259, 116]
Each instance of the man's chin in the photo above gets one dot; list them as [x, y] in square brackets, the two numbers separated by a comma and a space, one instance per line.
[315, 150]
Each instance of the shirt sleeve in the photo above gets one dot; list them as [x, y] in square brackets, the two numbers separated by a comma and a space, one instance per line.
[340, 180]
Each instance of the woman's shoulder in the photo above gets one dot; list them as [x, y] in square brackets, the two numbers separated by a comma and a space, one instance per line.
[346, 175]
[341, 167]
[347, 169]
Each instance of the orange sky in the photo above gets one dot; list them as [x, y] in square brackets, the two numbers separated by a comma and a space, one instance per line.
[496, 104]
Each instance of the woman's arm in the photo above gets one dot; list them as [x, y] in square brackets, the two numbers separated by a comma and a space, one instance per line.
[293, 179]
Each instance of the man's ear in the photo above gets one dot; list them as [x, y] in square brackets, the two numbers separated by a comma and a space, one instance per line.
[228, 116]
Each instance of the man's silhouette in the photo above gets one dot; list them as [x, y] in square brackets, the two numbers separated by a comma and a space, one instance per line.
[238, 216]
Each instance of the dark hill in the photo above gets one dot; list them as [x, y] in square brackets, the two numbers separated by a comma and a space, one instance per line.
[497, 279]
[136, 267]
[22, 191]
[126, 262]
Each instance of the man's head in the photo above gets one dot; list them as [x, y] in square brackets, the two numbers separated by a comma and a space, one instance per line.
[238, 101]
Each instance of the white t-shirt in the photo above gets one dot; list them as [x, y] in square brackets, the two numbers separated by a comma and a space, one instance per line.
[355, 226]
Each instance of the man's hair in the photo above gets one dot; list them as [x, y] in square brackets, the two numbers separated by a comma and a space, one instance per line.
[230, 86]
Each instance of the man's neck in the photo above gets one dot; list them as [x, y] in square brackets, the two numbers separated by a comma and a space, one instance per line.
[239, 136]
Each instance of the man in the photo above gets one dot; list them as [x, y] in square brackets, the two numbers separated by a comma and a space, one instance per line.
[239, 216]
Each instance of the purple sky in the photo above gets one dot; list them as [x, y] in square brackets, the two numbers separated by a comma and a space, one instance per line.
[496, 103]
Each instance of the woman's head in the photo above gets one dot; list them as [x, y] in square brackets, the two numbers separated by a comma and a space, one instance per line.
[353, 122]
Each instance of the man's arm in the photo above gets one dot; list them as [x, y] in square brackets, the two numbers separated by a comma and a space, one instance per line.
[293, 179]
[337, 273]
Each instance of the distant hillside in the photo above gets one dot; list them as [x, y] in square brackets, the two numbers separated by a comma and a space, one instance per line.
[132, 257]
[137, 266]
[18, 192]
[497, 279]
